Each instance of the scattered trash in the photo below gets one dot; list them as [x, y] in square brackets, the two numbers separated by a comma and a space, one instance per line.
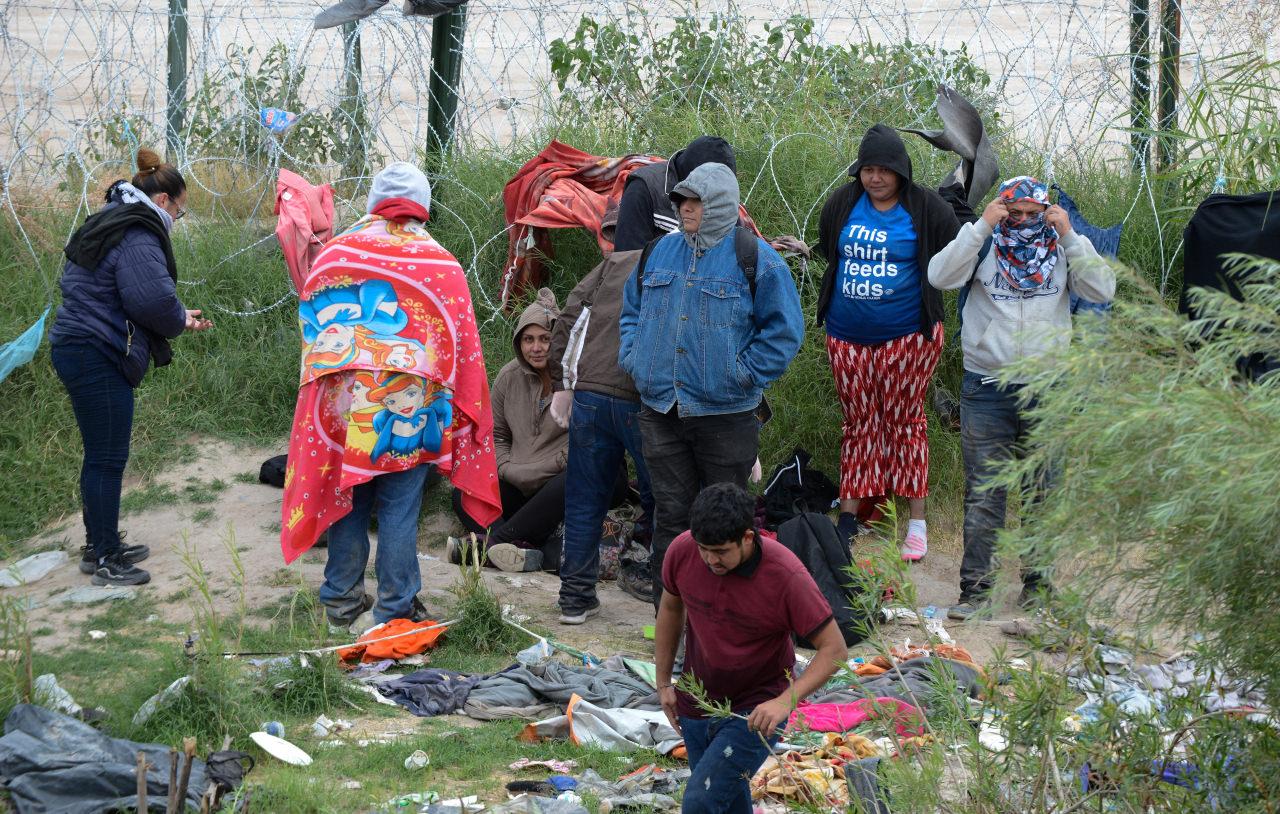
[152, 617]
[898, 613]
[536, 654]
[280, 749]
[416, 798]
[50, 695]
[352, 784]
[92, 594]
[562, 783]
[990, 738]
[276, 120]
[273, 728]
[558, 766]
[511, 613]
[929, 612]
[29, 569]
[1019, 664]
[97, 634]
[324, 727]
[418, 760]
[428, 558]
[160, 700]
[935, 629]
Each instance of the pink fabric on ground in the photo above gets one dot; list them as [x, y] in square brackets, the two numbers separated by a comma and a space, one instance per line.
[843, 717]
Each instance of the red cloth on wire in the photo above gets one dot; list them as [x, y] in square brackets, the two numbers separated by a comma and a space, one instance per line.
[560, 187]
[304, 222]
[401, 210]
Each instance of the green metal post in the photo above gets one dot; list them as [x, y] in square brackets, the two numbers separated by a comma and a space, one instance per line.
[1170, 57]
[1140, 79]
[176, 100]
[353, 103]
[447, 32]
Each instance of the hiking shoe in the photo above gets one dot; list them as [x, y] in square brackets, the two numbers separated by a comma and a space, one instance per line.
[418, 612]
[1033, 596]
[114, 570]
[131, 554]
[635, 580]
[341, 627]
[511, 558]
[579, 617]
[914, 547]
[967, 609]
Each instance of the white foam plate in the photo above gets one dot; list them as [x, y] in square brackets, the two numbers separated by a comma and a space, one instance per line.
[280, 749]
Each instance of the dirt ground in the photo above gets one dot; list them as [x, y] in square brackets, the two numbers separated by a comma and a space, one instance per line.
[243, 517]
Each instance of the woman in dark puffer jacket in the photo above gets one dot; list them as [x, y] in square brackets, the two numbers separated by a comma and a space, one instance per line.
[119, 310]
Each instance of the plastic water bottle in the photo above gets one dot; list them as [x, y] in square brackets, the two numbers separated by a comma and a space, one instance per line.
[930, 612]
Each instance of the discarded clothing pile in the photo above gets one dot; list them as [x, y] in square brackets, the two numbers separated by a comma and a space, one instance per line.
[51, 762]
[1145, 690]
[843, 717]
[841, 769]
[648, 788]
[537, 691]
[919, 681]
[396, 639]
[618, 729]
[429, 692]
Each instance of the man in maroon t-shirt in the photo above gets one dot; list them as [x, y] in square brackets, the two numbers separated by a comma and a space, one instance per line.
[743, 596]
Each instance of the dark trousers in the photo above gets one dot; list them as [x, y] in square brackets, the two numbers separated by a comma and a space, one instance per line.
[723, 757]
[102, 400]
[684, 455]
[992, 430]
[602, 431]
[527, 520]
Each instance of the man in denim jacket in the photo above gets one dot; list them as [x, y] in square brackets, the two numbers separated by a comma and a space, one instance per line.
[701, 348]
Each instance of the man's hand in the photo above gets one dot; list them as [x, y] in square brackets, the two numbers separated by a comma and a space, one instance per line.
[195, 323]
[562, 407]
[667, 696]
[1057, 217]
[767, 717]
[995, 212]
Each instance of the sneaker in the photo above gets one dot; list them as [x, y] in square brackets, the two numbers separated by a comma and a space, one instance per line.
[342, 627]
[580, 617]
[131, 554]
[635, 580]
[453, 550]
[511, 558]
[418, 612]
[967, 609]
[914, 547]
[114, 570]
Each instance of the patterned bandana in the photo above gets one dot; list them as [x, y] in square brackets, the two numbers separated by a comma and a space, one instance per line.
[1027, 249]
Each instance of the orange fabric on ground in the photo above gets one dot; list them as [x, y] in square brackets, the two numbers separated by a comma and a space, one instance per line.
[397, 648]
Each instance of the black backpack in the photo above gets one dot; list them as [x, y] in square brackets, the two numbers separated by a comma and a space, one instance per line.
[795, 487]
[813, 538]
[272, 471]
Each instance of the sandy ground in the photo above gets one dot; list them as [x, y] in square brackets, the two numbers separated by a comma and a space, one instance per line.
[244, 519]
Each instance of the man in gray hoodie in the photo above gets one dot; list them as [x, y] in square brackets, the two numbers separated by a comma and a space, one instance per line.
[1016, 307]
[701, 342]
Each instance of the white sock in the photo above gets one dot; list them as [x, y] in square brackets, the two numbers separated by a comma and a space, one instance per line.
[917, 527]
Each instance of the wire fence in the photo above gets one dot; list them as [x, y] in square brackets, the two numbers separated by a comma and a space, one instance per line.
[83, 84]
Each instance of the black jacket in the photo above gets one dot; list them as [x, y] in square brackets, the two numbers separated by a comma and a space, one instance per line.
[934, 220]
[645, 211]
[119, 289]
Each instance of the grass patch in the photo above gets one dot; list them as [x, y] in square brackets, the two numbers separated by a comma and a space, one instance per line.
[151, 496]
[480, 628]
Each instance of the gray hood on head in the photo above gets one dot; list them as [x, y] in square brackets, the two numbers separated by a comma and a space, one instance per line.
[717, 187]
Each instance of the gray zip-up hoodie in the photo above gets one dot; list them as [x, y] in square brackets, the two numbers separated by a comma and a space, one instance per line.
[717, 187]
[1002, 325]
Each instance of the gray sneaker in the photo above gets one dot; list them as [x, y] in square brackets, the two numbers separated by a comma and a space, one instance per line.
[967, 609]
[579, 617]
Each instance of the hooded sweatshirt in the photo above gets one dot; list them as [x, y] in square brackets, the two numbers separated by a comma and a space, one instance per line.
[645, 210]
[530, 446]
[691, 333]
[932, 218]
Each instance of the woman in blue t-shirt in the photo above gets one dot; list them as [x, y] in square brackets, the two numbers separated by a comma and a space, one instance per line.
[884, 326]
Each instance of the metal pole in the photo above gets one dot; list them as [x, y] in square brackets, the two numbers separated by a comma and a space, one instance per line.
[353, 102]
[1170, 57]
[176, 102]
[1140, 79]
[447, 32]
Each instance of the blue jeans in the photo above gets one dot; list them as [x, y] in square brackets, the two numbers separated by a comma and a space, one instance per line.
[397, 497]
[723, 755]
[601, 429]
[992, 430]
[102, 400]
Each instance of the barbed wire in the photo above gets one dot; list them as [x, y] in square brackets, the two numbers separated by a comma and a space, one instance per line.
[84, 83]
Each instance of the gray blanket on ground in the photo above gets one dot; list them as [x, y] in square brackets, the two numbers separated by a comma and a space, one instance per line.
[919, 682]
[533, 693]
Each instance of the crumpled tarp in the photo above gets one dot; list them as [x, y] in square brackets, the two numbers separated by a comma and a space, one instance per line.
[918, 682]
[431, 691]
[53, 764]
[617, 730]
[648, 787]
[535, 692]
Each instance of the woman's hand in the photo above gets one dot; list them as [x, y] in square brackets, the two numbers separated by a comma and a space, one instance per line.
[1057, 217]
[195, 323]
[995, 212]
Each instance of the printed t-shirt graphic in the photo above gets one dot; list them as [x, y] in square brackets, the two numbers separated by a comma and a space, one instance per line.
[878, 279]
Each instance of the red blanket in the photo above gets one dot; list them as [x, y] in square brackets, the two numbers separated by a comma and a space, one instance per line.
[392, 377]
[560, 187]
